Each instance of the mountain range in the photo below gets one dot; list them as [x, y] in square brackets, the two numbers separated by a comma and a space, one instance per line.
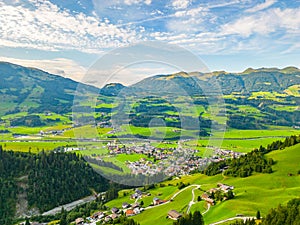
[36, 91]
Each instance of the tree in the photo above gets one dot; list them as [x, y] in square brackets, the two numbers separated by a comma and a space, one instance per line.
[27, 221]
[258, 215]
[199, 198]
[63, 217]
[230, 194]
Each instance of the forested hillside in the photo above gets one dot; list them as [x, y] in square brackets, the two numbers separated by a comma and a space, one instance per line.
[254, 161]
[53, 179]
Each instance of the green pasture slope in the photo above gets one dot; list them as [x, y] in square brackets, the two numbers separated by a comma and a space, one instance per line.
[257, 192]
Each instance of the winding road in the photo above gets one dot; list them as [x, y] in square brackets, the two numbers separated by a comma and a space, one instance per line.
[192, 202]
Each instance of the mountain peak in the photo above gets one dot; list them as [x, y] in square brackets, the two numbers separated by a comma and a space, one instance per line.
[112, 89]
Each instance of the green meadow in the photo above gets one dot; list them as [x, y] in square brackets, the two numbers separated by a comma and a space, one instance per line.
[257, 192]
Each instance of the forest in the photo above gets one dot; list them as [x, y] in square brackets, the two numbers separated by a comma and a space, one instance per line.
[52, 179]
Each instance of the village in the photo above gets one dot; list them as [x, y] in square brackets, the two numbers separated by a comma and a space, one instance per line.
[222, 192]
[170, 161]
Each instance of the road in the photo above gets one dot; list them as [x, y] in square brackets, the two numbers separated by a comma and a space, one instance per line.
[177, 193]
[70, 206]
[233, 218]
[192, 202]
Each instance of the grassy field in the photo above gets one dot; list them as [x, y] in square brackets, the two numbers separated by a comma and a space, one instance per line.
[34, 147]
[258, 192]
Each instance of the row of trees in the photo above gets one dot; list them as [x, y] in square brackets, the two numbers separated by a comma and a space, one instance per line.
[190, 219]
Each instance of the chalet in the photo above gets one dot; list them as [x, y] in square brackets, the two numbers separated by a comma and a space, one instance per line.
[137, 194]
[125, 205]
[114, 216]
[138, 191]
[107, 218]
[135, 205]
[136, 210]
[114, 210]
[174, 215]
[157, 201]
[213, 190]
[130, 212]
[225, 187]
[79, 221]
[98, 215]
[206, 198]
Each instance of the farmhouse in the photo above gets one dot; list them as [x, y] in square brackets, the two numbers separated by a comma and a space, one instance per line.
[174, 215]
[98, 215]
[114, 216]
[206, 197]
[125, 205]
[130, 212]
[107, 218]
[79, 221]
[114, 210]
[157, 201]
[135, 205]
[225, 187]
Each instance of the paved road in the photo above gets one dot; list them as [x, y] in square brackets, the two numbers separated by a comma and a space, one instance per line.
[234, 218]
[70, 206]
[192, 202]
[174, 196]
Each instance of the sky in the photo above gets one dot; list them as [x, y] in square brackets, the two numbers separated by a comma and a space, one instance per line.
[67, 37]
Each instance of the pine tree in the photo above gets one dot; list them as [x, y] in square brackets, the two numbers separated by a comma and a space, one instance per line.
[258, 215]
[63, 217]
[27, 221]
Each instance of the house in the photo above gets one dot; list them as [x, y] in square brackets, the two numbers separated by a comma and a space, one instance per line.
[139, 192]
[135, 205]
[125, 205]
[107, 219]
[98, 215]
[206, 198]
[174, 215]
[213, 190]
[130, 212]
[114, 216]
[136, 211]
[225, 187]
[114, 210]
[79, 221]
[157, 201]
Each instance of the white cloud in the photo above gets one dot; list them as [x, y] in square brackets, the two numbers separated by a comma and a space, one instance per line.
[60, 66]
[180, 4]
[262, 6]
[45, 26]
[131, 2]
[265, 22]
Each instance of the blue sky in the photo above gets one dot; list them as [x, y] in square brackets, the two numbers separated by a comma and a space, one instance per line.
[67, 37]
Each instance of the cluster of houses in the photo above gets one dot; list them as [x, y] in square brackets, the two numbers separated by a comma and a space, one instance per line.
[114, 213]
[170, 161]
[221, 187]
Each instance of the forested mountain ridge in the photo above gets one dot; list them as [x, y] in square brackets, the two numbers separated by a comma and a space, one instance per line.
[249, 81]
[274, 93]
[35, 90]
